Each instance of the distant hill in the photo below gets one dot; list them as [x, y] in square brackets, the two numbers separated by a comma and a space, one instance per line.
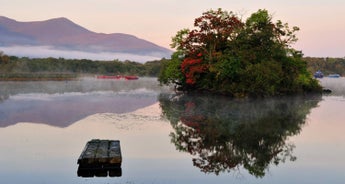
[63, 34]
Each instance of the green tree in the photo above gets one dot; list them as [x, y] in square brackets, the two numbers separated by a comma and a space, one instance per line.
[225, 55]
[170, 72]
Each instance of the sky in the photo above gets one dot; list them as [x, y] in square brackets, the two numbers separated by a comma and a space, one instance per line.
[322, 22]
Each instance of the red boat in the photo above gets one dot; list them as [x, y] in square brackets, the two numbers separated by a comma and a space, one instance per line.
[131, 77]
[109, 77]
[127, 77]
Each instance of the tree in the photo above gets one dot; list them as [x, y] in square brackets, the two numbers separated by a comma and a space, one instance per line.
[171, 71]
[226, 55]
[4, 59]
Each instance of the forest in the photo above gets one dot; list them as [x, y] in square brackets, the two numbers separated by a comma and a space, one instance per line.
[27, 67]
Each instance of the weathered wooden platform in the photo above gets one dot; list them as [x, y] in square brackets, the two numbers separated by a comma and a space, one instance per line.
[100, 158]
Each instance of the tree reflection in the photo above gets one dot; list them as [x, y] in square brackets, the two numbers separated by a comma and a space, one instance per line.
[224, 134]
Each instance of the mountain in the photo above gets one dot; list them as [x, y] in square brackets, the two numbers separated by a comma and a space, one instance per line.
[63, 34]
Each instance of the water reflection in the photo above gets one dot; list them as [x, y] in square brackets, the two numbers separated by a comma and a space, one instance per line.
[224, 134]
[102, 172]
[83, 85]
[60, 103]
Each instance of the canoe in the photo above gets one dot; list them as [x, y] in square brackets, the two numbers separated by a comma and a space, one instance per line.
[131, 77]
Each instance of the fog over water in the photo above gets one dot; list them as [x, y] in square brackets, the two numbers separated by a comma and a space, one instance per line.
[47, 51]
[337, 85]
[61, 103]
[169, 138]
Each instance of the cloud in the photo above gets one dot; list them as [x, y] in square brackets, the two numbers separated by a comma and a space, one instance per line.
[48, 51]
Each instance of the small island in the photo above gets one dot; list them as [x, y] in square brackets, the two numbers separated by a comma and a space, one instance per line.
[225, 55]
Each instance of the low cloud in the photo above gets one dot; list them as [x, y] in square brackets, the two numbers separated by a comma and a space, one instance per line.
[47, 51]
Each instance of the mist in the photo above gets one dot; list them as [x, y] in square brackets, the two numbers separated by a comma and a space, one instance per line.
[336, 85]
[48, 51]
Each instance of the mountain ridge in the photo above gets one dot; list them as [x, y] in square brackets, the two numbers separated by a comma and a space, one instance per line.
[64, 33]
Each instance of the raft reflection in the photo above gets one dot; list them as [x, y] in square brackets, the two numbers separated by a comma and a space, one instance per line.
[103, 172]
[224, 134]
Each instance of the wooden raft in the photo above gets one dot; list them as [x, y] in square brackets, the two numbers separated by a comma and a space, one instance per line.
[100, 158]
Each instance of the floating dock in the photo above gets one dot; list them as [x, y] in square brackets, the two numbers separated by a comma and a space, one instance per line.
[100, 158]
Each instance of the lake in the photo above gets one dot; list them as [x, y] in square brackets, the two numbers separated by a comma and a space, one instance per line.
[170, 138]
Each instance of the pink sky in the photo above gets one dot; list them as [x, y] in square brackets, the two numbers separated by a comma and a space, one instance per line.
[322, 22]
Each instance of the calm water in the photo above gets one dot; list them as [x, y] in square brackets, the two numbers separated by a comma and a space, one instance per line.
[167, 138]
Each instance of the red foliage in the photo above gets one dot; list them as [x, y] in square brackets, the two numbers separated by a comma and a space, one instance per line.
[190, 67]
[205, 43]
[212, 28]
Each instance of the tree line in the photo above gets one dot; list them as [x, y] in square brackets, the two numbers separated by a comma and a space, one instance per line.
[20, 66]
[13, 64]
[327, 65]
